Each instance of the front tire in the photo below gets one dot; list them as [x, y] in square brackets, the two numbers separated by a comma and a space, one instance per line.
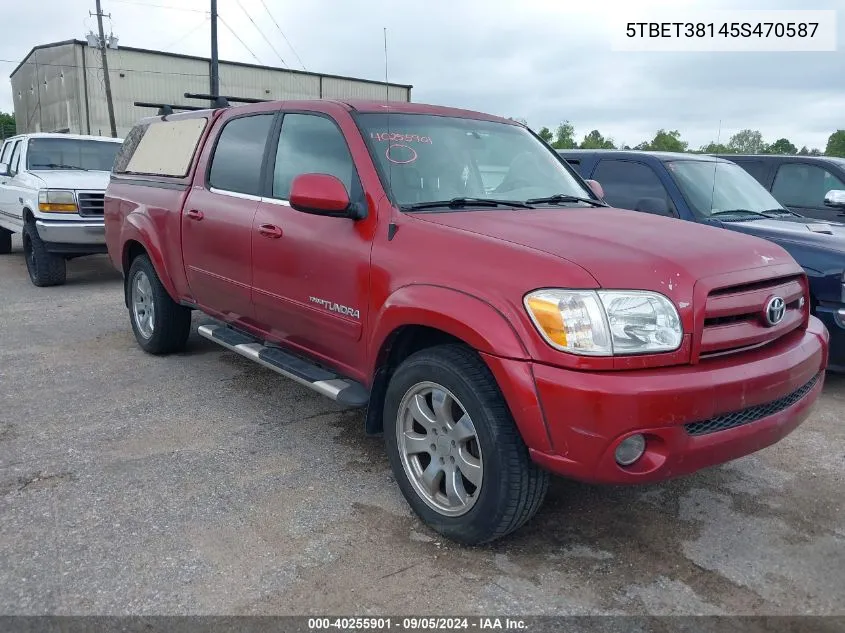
[44, 268]
[5, 241]
[161, 325]
[455, 450]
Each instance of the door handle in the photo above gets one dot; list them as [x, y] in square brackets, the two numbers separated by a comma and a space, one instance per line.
[193, 214]
[270, 230]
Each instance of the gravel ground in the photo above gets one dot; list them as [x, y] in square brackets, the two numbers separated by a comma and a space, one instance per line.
[201, 483]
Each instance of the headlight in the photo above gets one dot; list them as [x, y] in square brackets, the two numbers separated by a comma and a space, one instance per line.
[56, 201]
[605, 322]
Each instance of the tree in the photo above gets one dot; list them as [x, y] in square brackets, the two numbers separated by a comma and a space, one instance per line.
[7, 124]
[545, 134]
[715, 148]
[782, 146]
[804, 151]
[594, 140]
[665, 141]
[747, 142]
[816, 152]
[836, 144]
[565, 136]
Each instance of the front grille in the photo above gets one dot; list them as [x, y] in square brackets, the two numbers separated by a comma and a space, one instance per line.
[91, 204]
[751, 414]
[734, 317]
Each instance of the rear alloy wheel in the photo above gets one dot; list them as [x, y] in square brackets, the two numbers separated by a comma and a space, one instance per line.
[160, 324]
[454, 448]
[44, 268]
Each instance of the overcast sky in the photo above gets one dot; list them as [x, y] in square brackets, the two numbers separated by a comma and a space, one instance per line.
[540, 60]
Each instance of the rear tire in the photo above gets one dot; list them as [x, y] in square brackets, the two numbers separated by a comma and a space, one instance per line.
[161, 325]
[464, 468]
[44, 268]
[5, 241]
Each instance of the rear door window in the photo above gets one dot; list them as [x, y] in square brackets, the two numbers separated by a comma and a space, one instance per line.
[16, 158]
[633, 185]
[239, 154]
[804, 185]
[7, 152]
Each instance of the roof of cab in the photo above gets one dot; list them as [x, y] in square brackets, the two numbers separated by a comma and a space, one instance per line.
[787, 158]
[354, 105]
[623, 153]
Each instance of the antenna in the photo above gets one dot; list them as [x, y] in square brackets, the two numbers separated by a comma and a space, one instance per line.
[386, 84]
[715, 168]
[391, 227]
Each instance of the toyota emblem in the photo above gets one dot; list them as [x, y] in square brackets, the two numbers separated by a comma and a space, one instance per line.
[775, 310]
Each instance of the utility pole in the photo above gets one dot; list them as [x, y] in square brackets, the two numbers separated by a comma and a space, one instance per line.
[215, 65]
[106, 78]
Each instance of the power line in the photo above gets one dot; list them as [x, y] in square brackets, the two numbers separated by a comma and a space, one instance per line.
[249, 17]
[160, 6]
[188, 34]
[283, 34]
[219, 17]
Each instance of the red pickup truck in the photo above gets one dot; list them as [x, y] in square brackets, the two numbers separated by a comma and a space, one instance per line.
[448, 271]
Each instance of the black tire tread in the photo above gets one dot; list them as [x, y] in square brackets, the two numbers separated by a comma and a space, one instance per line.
[5, 241]
[51, 269]
[173, 321]
[527, 482]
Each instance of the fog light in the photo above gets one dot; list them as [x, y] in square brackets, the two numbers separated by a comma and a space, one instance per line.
[630, 450]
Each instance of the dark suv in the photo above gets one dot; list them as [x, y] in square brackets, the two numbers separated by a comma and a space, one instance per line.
[714, 191]
[804, 184]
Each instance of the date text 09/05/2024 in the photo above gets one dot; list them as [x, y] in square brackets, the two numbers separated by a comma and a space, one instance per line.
[415, 623]
[713, 29]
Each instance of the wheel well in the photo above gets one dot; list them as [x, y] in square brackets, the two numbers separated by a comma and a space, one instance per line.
[28, 216]
[131, 250]
[400, 344]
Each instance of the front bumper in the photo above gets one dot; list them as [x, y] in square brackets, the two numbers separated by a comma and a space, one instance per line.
[75, 233]
[587, 414]
[833, 317]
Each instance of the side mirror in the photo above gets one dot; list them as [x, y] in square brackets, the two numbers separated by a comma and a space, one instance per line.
[597, 188]
[321, 194]
[655, 206]
[4, 169]
[835, 198]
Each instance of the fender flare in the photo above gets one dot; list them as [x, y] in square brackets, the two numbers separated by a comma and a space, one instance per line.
[139, 228]
[467, 317]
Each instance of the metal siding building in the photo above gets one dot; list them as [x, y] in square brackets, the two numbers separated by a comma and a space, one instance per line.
[59, 87]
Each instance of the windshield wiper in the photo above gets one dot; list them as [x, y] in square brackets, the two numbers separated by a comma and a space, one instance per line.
[739, 212]
[560, 197]
[459, 203]
[776, 212]
[58, 166]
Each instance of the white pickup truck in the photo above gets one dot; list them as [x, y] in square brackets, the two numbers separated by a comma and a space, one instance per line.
[51, 191]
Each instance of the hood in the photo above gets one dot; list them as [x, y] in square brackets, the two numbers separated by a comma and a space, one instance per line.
[73, 179]
[621, 249]
[798, 230]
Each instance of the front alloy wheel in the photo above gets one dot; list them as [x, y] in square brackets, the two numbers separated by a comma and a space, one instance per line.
[439, 449]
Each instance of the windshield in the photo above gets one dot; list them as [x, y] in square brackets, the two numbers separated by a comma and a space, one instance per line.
[430, 158]
[70, 153]
[711, 187]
